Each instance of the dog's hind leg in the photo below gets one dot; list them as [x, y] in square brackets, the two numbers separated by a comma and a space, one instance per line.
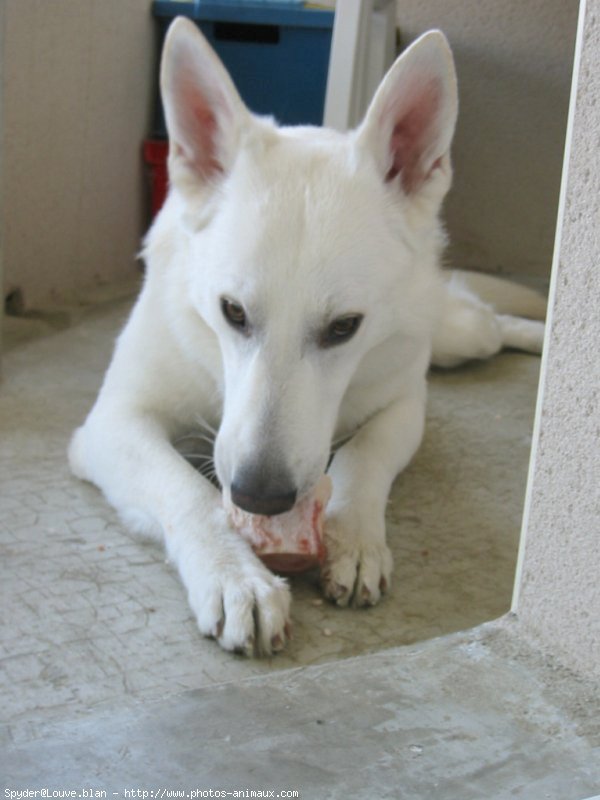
[503, 295]
[522, 334]
[469, 328]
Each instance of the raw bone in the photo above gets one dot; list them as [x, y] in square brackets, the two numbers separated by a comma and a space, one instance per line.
[290, 542]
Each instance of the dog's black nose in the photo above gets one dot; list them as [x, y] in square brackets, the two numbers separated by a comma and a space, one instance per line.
[254, 492]
[268, 504]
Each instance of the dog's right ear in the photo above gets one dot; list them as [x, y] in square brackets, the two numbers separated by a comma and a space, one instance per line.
[203, 111]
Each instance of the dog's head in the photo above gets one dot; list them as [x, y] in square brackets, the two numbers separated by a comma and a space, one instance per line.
[306, 250]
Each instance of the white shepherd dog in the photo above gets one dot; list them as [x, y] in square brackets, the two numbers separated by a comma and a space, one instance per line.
[293, 298]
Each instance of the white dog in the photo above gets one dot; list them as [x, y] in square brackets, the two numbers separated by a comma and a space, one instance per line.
[292, 299]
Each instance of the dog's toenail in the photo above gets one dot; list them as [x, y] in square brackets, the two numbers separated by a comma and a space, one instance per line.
[338, 590]
[247, 649]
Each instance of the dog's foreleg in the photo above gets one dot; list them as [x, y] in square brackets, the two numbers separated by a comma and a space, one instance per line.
[359, 563]
[233, 595]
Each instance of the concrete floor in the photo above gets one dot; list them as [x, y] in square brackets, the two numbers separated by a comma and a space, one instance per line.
[106, 682]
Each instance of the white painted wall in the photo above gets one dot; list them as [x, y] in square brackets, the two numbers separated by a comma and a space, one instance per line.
[557, 596]
[77, 100]
[514, 62]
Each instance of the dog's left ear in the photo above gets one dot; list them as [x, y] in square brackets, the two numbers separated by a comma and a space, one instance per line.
[410, 122]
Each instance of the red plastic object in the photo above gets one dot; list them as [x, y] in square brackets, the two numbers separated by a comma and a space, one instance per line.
[156, 152]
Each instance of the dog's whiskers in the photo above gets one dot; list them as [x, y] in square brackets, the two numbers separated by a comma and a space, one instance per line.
[204, 463]
[194, 437]
[204, 424]
[211, 475]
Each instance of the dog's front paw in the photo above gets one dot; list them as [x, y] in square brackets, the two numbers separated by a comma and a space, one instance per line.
[246, 608]
[358, 566]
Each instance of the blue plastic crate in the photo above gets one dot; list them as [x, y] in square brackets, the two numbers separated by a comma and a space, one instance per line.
[277, 53]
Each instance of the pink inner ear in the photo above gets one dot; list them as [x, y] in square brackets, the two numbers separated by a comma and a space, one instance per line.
[414, 129]
[198, 130]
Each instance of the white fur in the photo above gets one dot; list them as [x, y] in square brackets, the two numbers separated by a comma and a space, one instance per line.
[299, 226]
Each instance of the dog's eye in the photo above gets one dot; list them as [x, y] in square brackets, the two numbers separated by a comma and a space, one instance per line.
[341, 330]
[234, 314]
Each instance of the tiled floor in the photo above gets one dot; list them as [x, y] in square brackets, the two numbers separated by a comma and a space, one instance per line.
[95, 618]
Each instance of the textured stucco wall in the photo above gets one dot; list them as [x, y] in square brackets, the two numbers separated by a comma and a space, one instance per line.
[1, 165]
[558, 585]
[514, 61]
[77, 99]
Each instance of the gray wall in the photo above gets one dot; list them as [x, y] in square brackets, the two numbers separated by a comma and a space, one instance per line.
[514, 62]
[77, 98]
[558, 585]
